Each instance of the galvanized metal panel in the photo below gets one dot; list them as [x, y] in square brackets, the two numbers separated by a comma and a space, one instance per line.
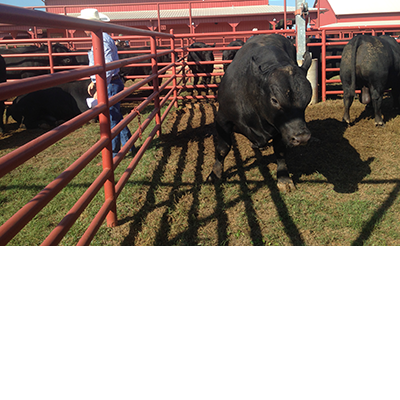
[196, 12]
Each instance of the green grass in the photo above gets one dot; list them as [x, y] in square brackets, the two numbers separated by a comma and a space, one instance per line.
[347, 193]
[21, 185]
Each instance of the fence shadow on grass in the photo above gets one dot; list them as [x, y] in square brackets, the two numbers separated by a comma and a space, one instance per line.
[176, 191]
[370, 225]
[330, 154]
[178, 188]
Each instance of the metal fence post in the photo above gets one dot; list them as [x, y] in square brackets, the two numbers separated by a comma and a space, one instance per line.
[301, 7]
[173, 59]
[154, 67]
[51, 59]
[323, 65]
[105, 128]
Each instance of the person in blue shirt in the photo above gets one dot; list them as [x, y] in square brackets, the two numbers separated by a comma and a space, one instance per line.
[114, 82]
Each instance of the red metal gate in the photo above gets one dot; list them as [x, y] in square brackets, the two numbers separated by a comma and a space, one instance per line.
[106, 178]
[176, 86]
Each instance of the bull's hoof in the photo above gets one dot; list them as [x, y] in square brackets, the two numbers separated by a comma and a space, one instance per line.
[286, 185]
[213, 178]
[346, 121]
[379, 123]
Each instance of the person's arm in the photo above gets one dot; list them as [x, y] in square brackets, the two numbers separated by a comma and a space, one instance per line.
[110, 54]
[92, 85]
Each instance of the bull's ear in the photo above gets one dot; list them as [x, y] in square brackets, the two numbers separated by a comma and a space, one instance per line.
[307, 60]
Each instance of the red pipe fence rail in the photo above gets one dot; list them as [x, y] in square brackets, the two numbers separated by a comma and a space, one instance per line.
[105, 179]
[175, 86]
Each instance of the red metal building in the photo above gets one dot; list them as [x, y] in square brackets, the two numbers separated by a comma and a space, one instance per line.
[180, 15]
[344, 13]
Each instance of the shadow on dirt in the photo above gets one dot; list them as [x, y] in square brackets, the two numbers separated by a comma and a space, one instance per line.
[330, 154]
[388, 112]
[17, 137]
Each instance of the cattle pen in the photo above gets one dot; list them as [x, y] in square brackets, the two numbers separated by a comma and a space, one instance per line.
[146, 93]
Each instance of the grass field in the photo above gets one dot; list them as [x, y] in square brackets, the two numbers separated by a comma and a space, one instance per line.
[347, 180]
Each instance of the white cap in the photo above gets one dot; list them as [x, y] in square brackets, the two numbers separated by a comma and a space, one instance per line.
[93, 15]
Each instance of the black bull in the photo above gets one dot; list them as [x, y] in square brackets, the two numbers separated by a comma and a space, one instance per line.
[199, 57]
[38, 60]
[50, 107]
[372, 64]
[229, 54]
[263, 95]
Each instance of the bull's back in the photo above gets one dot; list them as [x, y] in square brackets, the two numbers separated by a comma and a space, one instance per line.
[366, 59]
[239, 90]
[260, 50]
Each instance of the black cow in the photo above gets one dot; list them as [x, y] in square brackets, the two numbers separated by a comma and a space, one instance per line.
[372, 64]
[78, 90]
[3, 78]
[263, 96]
[201, 56]
[50, 107]
[82, 59]
[36, 61]
[229, 54]
[140, 70]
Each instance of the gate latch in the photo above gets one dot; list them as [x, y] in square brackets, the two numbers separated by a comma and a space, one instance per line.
[303, 10]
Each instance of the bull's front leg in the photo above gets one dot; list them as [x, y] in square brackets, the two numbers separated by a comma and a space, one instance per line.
[223, 145]
[285, 183]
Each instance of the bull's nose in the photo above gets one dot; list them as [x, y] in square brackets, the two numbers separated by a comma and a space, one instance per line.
[300, 139]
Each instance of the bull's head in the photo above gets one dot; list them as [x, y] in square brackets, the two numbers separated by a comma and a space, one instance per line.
[63, 60]
[287, 94]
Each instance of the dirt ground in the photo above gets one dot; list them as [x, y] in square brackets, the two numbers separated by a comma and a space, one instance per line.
[342, 153]
[349, 165]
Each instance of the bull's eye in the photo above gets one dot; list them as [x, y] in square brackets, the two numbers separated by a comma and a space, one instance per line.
[275, 102]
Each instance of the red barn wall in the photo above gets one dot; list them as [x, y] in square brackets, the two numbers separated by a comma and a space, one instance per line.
[328, 17]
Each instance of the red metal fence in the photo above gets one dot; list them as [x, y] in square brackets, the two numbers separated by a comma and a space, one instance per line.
[176, 86]
[106, 178]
